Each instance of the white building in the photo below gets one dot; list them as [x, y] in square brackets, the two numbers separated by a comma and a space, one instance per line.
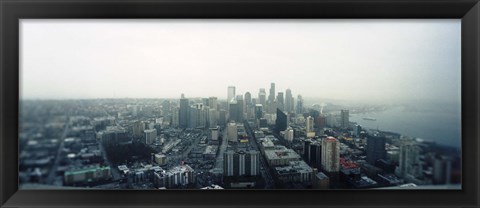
[232, 134]
[331, 154]
[150, 135]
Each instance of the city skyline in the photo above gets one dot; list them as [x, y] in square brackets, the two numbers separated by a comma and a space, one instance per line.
[201, 58]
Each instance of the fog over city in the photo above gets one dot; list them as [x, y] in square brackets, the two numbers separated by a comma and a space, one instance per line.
[374, 60]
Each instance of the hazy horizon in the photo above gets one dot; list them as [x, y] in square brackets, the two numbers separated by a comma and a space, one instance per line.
[351, 60]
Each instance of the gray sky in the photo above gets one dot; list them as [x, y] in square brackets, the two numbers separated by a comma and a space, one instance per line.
[377, 60]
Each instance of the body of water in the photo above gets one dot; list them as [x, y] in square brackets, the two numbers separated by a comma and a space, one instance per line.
[441, 124]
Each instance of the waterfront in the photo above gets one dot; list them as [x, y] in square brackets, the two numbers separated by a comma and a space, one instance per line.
[441, 123]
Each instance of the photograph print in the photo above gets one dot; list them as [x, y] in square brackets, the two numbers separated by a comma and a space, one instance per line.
[240, 104]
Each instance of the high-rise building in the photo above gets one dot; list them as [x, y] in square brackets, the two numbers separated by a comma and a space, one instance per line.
[409, 160]
[442, 170]
[258, 111]
[330, 154]
[240, 163]
[233, 111]
[262, 97]
[281, 122]
[212, 117]
[289, 134]
[166, 108]
[175, 117]
[288, 101]
[240, 108]
[376, 148]
[213, 103]
[150, 135]
[183, 113]
[299, 109]
[137, 128]
[232, 133]
[309, 125]
[222, 117]
[214, 134]
[231, 93]
[345, 123]
[280, 101]
[248, 99]
[271, 96]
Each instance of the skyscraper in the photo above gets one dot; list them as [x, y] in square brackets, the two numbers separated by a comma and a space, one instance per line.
[271, 96]
[280, 101]
[240, 108]
[345, 119]
[309, 124]
[288, 101]
[213, 103]
[166, 108]
[150, 136]
[258, 111]
[232, 133]
[183, 113]
[409, 160]
[241, 162]
[281, 122]
[248, 99]
[375, 148]
[233, 111]
[231, 93]
[262, 96]
[299, 109]
[330, 154]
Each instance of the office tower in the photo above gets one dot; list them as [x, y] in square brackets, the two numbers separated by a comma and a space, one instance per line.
[271, 96]
[281, 122]
[166, 108]
[289, 134]
[233, 111]
[375, 148]
[248, 99]
[288, 101]
[240, 108]
[222, 117]
[356, 130]
[228, 163]
[231, 93]
[258, 111]
[309, 124]
[183, 113]
[150, 135]
[272, 107]
[314, 153]
[330, 154]
[213, 103]
[212, 117]
[252, 163]
[321, 121]
[192, 117]
[241, 163]
[262, 97]
[442, 169]
[299, 109]
[175, 117]
[262, 123]
[345, 123]
[214, 134]
[137, 128]
[280, 101]
[409, 160]
[232, 132]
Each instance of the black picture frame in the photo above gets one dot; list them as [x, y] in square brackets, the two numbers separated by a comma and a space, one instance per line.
[13, 10]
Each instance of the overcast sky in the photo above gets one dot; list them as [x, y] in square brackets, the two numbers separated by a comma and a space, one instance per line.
[378, 60]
